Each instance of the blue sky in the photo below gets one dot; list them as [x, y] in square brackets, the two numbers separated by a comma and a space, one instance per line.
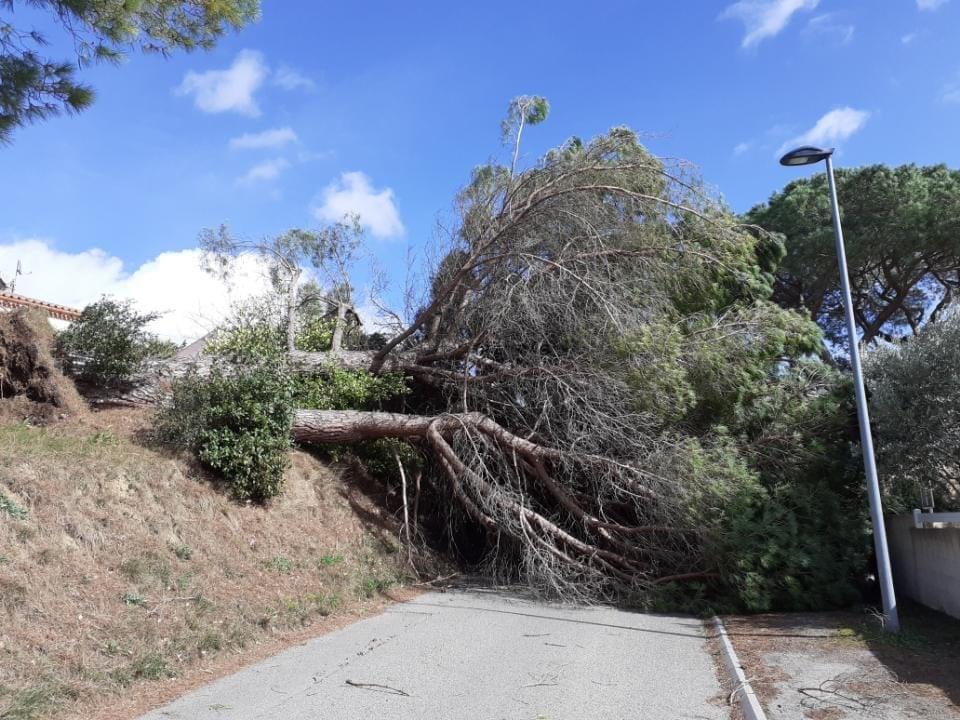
[385, 107]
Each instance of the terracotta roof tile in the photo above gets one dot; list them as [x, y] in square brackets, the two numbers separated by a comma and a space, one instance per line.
[60, 312]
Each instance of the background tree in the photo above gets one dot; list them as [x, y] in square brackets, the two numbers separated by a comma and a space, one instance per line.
[327, 253]
[915, 408]
[523, 110]
[35, 87]
[109, 343]
[902, 232]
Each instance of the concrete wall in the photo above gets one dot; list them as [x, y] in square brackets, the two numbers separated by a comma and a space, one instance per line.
[926, 563]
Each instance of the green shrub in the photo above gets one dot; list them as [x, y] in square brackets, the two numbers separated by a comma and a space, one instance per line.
[107, 344]
[34, 703]
[252, 335]
[915, 408]
[132, 598]
[337, 389]
[794, 547]
[150, 666]
[237, 421]
[184, 552]
[280, 564]
[331, 559]
[316, 334]
[236, 418]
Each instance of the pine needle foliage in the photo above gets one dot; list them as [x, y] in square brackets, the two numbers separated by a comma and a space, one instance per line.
[35, 87]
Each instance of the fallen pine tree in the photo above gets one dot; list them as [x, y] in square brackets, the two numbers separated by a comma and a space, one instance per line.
[594, 380]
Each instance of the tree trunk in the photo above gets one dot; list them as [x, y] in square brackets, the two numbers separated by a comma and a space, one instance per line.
[337, 341]
[347, 426]
[292, 311]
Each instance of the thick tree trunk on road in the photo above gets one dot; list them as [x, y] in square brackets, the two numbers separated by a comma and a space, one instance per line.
[347, 426]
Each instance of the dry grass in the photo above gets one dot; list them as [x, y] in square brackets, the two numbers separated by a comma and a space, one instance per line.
[122, 565]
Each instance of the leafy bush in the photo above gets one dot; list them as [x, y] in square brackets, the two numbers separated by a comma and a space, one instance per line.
[108, 343]
[237, 422]
[778, 497]
[316, 334]
[793, 547]
[253, 334]
[338, 389]
[236, 419]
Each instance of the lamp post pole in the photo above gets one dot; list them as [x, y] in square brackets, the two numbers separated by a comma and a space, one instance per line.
[808, 156]
[889, 599]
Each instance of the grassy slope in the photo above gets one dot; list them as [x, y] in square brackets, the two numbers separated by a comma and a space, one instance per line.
[128, 567]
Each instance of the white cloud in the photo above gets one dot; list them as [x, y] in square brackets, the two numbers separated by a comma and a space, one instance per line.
[353, 193]
[174, 283]
[278, 137]
[232, 89]
[741, 148]
[264, 171]
[829, 25]
[764, 19]
[930, 4]
[951, 93]
[836, 125]
[908, 38]
[288, 78]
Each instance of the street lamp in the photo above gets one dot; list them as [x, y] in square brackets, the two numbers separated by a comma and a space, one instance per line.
[808, 155]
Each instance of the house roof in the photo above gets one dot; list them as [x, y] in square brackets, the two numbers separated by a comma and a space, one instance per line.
[196, 348]
[13, 301]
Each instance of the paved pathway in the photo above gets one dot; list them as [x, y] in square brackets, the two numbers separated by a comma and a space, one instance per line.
[477, 655]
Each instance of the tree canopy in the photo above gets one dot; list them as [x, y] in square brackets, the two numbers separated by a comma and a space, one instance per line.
[902, 233]
[34, 86]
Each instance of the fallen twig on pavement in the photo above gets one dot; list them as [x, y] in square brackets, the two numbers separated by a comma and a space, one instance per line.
[377, 687]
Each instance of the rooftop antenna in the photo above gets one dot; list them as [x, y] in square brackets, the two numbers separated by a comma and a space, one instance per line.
[11, 287]
[17, 273]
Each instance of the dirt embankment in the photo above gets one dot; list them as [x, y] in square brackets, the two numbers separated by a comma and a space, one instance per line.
[31, 386]
[121, 566]
[127, 576]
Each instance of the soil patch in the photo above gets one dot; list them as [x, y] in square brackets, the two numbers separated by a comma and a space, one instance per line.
[830, 666]
[32, 388]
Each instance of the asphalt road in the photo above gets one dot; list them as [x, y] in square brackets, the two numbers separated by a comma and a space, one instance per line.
[477, 654]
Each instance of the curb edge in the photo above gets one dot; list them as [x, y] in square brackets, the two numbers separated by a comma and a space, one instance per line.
[749, 702]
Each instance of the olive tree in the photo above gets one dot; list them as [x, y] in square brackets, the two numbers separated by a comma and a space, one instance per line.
[915, 407]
